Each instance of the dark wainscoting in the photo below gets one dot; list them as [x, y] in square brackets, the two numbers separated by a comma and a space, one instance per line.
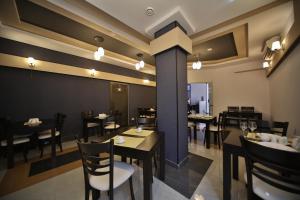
[42, 94]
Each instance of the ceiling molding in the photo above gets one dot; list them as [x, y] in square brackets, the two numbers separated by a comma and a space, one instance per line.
[239, 18]
[21, 62]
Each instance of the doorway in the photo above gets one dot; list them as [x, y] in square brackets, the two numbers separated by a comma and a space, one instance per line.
[200, 98]
[119, 100]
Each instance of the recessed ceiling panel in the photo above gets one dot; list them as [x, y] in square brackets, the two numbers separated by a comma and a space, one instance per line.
[215, 49]
[44, 18]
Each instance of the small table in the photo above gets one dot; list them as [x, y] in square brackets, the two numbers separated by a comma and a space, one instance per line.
[207, 120]
[145, 152]
[18, 128]
[92, 119]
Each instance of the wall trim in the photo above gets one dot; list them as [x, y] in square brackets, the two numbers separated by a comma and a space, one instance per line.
[21, 62]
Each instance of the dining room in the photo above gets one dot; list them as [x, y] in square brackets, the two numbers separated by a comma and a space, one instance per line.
[149, 100]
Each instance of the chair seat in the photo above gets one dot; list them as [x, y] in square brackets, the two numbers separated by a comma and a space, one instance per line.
[214, 128]
[112, 126]
[47, 134]
[269, 192]
[191, 124]
[122, 171]
[91, 125]
[16, 141]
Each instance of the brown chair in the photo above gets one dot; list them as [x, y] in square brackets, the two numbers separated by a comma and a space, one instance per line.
[218, 129]
[101, 172]
[280, 128]
[45, 136]
[18, 140]
[271, 174]
[113, 122]
[247, 109]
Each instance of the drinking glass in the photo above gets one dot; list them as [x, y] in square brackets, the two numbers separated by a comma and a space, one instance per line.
[252, 126]
[243, 126]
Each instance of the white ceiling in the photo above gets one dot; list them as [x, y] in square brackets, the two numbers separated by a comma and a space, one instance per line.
[195, 15]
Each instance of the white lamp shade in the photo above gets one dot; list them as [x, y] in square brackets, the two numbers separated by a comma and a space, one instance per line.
[142, 64]
[266, 64]
[194, 66]
[276, 45]
[97, 55]
[101, 51]
[199, 65]
[137, 66]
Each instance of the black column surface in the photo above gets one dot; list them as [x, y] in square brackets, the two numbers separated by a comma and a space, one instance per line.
[171, 83]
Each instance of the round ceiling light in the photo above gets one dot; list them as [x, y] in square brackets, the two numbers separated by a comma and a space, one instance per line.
[149, 11]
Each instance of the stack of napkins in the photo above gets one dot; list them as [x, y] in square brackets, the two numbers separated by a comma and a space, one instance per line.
[33, 121]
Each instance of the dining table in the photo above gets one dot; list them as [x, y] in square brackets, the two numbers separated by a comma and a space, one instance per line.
[21, 129]
[141, 145]
[205, 119]
[232, 150]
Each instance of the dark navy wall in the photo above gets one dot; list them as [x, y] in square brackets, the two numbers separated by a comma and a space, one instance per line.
[41, 95]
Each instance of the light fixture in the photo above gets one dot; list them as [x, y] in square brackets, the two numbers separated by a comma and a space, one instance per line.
[276, 45]
[93, 72]
[100, 51]
[209, 49]
[139, 65]
[149, 11]
[197, 65]
[266, 64]
[31, 62]
[146, 81]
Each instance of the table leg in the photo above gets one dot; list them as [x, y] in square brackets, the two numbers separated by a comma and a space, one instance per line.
[53, 146]
[195, 131]
[85, 132]
[162, 158]
[10, 151]
[207, 135]
[147, 177]
[124, 159]
[235, 167]
[226, 175]
[101, 128]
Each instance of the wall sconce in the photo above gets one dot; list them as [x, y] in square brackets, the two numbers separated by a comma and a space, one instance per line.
[93, 72]
[31, 62]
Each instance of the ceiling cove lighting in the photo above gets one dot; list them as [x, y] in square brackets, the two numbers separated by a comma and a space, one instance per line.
[139, 65]
[100, 51]
[146, 81]
[31, 62]
[276, 45]
[93, 72]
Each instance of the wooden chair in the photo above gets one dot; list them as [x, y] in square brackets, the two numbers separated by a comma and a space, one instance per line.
[18, 140]
[218, 129]
[45, 136]
[247, 109]
[233, 115]
[280, 128]
[102, 173]
[113, 122]
[271, 174]
[146, 123]
[90, 126]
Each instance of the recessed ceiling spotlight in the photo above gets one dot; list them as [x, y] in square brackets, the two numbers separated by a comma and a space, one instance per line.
[149, 11]
[209, 49]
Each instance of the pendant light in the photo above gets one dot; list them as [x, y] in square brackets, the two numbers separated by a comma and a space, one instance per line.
[197, 65]
[100, 51]
[139, 65]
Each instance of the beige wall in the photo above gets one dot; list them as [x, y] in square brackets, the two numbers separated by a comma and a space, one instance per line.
[285, 92]
[241, 89]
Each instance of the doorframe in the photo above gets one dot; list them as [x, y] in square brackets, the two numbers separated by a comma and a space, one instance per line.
[128, 92]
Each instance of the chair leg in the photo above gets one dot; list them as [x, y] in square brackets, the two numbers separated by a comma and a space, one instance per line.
[87, 194]
[95, 194]
[25, 152]
[41, 147]
[59, 143]
[131, 188]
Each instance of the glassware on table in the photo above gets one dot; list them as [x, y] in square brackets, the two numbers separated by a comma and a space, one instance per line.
[244, 127]
[252, 126]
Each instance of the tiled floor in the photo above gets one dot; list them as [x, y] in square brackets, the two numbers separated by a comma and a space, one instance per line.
[70, 185]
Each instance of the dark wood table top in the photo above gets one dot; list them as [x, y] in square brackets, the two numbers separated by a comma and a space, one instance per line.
[19, 127]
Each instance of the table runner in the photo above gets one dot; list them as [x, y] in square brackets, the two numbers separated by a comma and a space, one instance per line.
[143, 133]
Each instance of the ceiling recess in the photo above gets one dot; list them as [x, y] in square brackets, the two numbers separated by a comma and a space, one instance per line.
[149, 11]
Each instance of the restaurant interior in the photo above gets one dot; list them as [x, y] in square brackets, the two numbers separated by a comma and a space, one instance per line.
[149, 100]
